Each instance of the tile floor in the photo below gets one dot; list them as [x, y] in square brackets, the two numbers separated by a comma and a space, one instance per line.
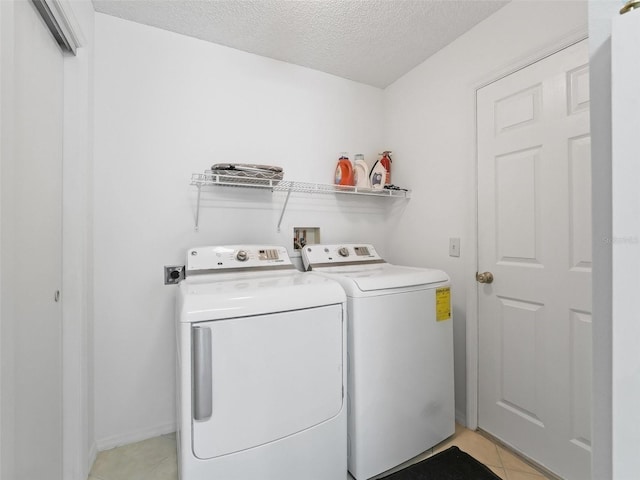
[155, 459]
[504, 464]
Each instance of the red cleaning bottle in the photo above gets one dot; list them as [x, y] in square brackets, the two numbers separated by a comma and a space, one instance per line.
[344, 171]
[386, 163]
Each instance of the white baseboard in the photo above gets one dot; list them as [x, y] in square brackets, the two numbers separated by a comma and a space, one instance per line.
[135, 436]
[461, 418]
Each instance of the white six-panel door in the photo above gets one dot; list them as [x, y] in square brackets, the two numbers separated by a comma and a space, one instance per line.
[534, 235]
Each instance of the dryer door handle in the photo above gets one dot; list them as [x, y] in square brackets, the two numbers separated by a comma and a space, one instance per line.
[201, 381]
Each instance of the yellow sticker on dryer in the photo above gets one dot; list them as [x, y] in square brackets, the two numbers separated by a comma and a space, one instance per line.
[443, 304]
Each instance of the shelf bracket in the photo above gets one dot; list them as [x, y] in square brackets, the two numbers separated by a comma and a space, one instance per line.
[284, 207]
[198, 207]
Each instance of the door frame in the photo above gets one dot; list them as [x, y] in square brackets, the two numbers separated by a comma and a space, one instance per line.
[472, 324]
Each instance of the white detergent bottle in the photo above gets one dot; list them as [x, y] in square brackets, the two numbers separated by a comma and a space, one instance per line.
[361, 172]
[377, 176]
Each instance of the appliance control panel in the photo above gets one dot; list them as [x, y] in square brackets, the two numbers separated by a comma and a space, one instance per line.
[341, 254]
[227, 257]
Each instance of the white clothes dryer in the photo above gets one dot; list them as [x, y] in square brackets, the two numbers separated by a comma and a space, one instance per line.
[400, 355]
[261, 368]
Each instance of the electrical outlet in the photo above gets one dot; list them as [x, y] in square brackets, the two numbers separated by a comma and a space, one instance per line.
[173, 274]
[454, 247]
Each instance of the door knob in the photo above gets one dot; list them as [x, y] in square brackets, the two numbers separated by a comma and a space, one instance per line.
[630, 5]
[485, 277]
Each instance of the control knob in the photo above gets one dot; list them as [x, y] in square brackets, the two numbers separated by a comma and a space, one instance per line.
[242, 256]
[343, 252]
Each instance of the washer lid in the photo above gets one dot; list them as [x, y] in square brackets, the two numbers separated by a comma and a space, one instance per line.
[243, 294]
[384, 276]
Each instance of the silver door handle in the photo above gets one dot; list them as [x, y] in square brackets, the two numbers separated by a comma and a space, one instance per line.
[485, 277]
[201, 381]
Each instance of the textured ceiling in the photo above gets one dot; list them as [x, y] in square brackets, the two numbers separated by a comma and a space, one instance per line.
[370, 41]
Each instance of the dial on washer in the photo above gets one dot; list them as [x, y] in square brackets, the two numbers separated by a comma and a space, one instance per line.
[343, 252]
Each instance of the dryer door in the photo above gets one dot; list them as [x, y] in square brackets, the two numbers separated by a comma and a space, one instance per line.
[269, 376]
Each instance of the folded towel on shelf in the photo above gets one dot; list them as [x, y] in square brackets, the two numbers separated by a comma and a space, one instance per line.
[247, 167]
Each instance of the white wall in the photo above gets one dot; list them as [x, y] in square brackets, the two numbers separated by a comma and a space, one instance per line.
[430, 124]
[167, 106]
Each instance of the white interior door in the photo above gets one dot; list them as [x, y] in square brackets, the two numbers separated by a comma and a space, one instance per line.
[31, 249]
[534, 235]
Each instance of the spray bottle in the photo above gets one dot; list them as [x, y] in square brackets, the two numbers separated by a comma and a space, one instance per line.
[386, 163]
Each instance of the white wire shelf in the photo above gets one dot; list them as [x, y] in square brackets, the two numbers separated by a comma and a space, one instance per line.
[215, 180]
[212, 179]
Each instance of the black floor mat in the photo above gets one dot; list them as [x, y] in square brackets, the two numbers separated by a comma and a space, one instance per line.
[451, 464]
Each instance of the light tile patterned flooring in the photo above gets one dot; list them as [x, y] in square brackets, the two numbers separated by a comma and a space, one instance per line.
[155, 459]
[503, 463]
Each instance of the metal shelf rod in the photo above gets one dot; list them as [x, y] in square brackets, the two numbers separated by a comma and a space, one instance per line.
[198, 206]
[284, 207]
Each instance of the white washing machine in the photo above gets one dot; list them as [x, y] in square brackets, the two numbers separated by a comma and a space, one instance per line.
[400, 355]
[261, 368]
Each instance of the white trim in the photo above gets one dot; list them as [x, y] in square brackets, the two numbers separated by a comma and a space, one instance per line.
[1, 322]
[59, 18]
[525, 60]
[134, 436]
[74, 270]
[461, 418]
[92, 455]
[532, 56]
[7, 422]
[65, 11]
[78, 442]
